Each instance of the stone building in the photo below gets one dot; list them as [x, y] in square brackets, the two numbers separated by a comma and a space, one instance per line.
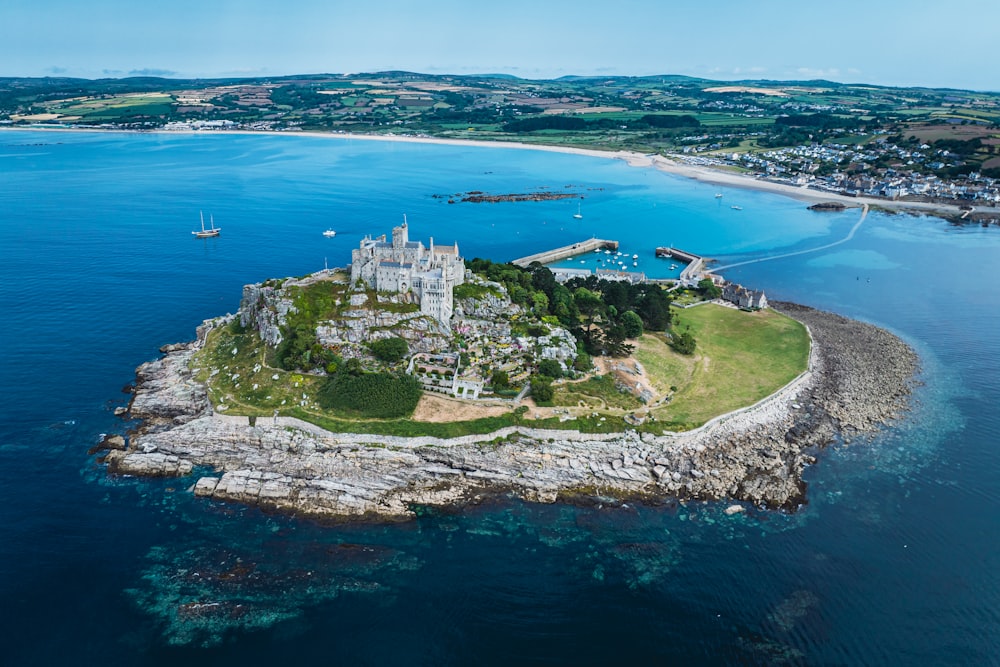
[743, 297]
[407, 267]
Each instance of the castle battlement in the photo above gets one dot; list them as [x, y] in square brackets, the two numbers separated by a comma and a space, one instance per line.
[403, 266]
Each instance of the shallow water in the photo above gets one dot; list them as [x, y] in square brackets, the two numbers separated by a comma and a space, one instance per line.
[893, 560]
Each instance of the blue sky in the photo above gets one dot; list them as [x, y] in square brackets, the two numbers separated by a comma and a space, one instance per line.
[872, 41]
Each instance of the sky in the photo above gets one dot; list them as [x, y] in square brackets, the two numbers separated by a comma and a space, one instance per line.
[886, 42]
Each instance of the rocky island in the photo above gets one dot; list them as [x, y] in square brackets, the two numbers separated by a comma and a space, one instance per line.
[301, 401]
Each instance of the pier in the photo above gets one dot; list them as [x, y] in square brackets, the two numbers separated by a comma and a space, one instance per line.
[550, 256]
[695, 263]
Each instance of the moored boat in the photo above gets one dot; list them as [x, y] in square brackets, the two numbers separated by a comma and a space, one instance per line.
[206, 233]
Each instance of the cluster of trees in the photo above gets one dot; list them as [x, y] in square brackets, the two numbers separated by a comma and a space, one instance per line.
[819, 121]
[668, 120]
[389, 350]
[375, 395]
[578, 124]
[601, 314]
[614, 311]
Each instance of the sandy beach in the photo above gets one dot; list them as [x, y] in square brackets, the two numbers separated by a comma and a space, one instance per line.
[640, 160]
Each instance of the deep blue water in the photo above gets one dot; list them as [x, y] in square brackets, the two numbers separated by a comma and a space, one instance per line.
[893, 561]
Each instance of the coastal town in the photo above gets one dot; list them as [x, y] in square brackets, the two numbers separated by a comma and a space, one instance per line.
[911, 174]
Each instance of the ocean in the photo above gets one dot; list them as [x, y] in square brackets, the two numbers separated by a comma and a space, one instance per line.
[892, 560]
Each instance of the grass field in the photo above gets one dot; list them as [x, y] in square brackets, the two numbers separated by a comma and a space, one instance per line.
[599, 393]
[741, 358]
[117, 106]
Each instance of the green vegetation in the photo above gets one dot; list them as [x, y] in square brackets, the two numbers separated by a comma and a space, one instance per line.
[499, 380]
[741, 357]
[646, 114]
[474, 291]
[708, 289]
[541, 389]
[390, 350]
[369, 395]
[550, 368]
[598, 393]
[683, 342]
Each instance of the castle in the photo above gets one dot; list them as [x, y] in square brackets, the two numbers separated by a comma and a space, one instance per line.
[405, 266]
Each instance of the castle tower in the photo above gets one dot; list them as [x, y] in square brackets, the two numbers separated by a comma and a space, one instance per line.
[400, 235]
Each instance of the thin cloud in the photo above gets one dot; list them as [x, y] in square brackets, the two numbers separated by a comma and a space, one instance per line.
[151, 71]
[814, 73]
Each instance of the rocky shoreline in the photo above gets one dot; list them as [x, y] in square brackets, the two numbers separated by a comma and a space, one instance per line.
[859, 379]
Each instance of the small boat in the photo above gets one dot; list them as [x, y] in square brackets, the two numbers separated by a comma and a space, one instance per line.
[635, 263]
[718, 195]
[636, 256]
[207, 233]
[597, 250]
[578, 215]
[673, 267]
[328, 233]
[607, 252]
[736, 208]
[583, 261]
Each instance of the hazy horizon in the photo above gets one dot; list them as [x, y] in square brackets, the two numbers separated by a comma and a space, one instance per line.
[889, 44]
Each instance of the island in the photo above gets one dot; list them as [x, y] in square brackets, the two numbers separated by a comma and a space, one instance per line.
[416, 378]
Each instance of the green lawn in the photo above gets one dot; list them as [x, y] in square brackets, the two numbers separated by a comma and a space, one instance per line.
[741, 358]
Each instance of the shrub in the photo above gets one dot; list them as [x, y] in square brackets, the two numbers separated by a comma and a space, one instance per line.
[551, 368]
[389, 350]
[541, 388]
[499, 380]
[683, 343]
[379, 395]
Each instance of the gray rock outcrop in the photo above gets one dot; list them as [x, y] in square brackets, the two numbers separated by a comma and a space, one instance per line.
[859, 378]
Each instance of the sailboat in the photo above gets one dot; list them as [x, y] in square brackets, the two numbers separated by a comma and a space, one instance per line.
[207, 233]
[578, 215]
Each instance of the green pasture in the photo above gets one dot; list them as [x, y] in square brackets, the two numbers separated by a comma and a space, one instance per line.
[741, 357]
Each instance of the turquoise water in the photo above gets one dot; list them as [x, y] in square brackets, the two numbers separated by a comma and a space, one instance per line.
[892, 561]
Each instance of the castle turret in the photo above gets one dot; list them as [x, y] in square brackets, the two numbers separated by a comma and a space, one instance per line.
[400, 235]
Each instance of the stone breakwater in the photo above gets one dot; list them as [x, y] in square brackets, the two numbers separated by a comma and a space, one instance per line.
[859, 378]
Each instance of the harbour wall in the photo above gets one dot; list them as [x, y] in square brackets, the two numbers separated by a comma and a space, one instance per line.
[557, 254]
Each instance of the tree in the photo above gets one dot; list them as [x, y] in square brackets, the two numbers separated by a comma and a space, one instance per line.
[632, 324]
[541, 388]
[583, 361]
[709, 289]
[589, 304]
[540, 303]
[683, 342]
[389, 350]
[499, 380]
[551, 368]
